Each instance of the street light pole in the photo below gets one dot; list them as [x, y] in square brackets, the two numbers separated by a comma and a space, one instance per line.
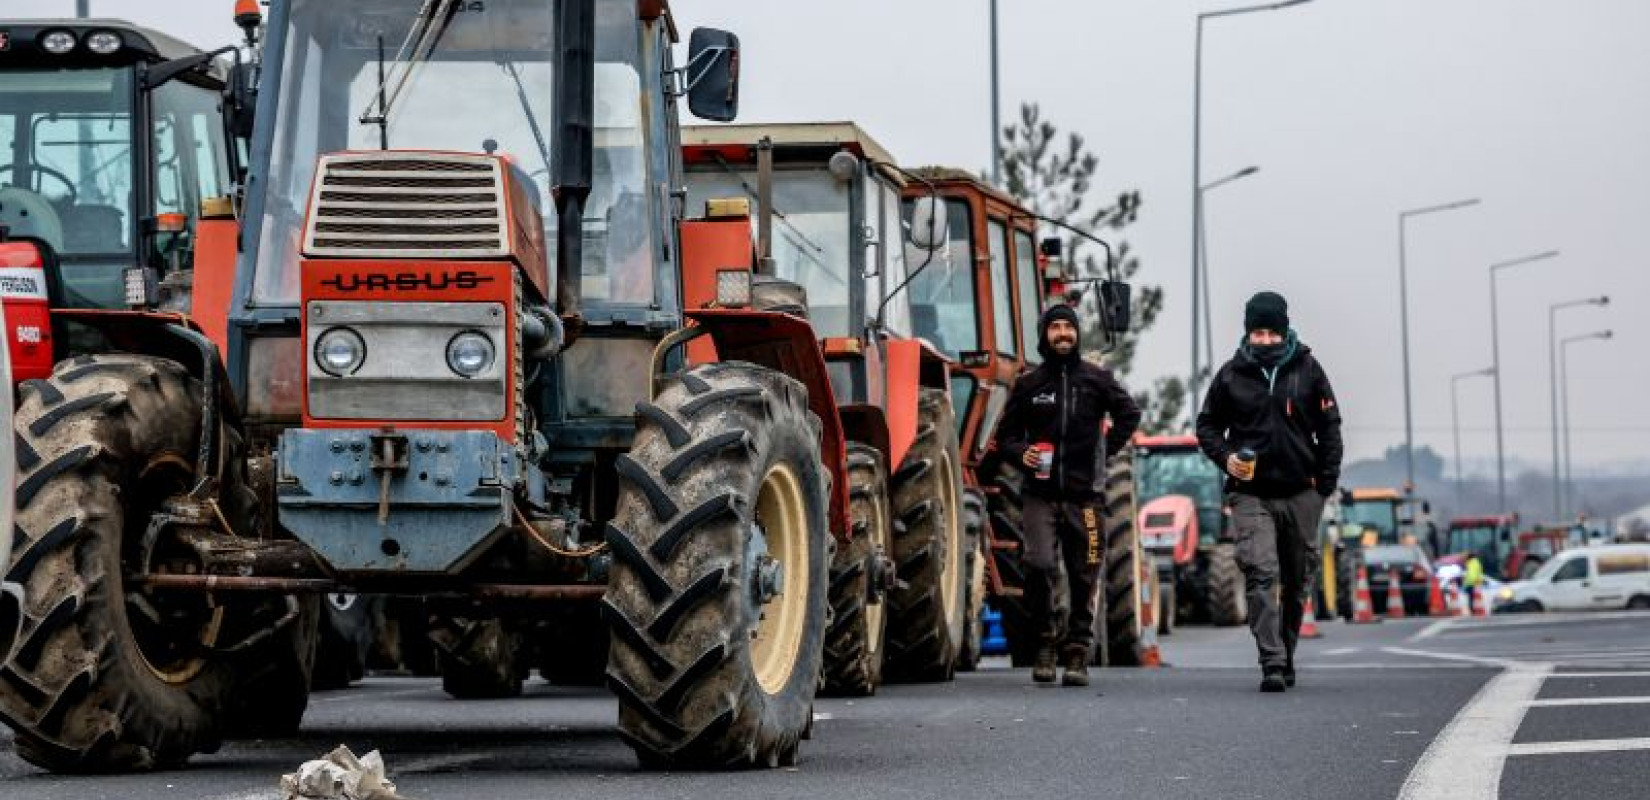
[1403, 322]
[1495, 348]
[1455, 425]
[996, 108]
[1552, 378]
[82, 8]
[1564, 378]
[1197, 169]
[1203, 264]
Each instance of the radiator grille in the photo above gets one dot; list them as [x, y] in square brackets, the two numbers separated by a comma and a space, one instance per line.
[408, 206]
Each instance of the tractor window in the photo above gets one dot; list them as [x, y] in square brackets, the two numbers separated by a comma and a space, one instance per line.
[942, 291]
[1031, 300]
[485, 84]
[1001, 300]
[191, 159]
[897, 317]
[1380, 515]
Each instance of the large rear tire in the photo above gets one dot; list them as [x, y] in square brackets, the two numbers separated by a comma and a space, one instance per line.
[1227, 606]
[1121, 579]
[854, 643]
[717, 598]
[480, 659]
[973, 644]
[106, 677]
[925, 625]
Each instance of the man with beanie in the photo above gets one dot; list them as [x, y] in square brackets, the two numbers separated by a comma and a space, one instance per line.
[1051, 429]
[1270, 420]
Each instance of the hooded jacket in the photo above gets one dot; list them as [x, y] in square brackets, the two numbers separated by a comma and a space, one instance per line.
[1064, 402]
[1280, 405]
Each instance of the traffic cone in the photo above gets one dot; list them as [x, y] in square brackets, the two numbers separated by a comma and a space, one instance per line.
[1309, 620]
[1363, 606]
[1435, 599]
[1481, 603]
[1459, 601]
[1394, 597]
[1150, 656]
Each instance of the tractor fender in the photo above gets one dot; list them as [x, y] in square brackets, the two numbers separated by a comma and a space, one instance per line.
[913, 365]
[787, 344]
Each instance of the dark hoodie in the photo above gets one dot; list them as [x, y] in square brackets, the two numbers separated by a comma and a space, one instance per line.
[1064, 402]
[1276, 401]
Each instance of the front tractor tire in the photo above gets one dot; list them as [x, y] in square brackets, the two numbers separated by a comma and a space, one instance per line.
[926, 608]
[853, 644]
[1118, 629]
[721, 549]
[105, 676]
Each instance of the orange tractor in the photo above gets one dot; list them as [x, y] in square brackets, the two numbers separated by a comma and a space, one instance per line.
[980, 305]
[831, 248]
[455, 367]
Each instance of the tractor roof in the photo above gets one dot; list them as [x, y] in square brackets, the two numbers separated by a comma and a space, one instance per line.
[158, 46]
[962, 177]
[792, 142]
[1376, 495]
[1484, 522]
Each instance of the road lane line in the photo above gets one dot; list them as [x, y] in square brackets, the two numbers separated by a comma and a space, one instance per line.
[1341, 651]
[1465, 761]
[1581, 746]
[1433, 630]
[1482, 660]
[1622, 674]
[1552, 702]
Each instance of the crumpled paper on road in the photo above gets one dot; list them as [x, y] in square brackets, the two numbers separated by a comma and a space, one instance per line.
[340, 776]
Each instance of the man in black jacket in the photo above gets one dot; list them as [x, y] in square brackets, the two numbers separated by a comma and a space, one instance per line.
[1273, 401]
[1059, 409]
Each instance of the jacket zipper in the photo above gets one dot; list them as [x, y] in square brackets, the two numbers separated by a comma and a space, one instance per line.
[1065, 409]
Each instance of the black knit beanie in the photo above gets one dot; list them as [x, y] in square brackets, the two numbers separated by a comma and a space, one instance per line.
[1054, 312]
[1268, 311]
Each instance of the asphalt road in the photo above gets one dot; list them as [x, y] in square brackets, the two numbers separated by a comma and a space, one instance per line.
[1517, 707]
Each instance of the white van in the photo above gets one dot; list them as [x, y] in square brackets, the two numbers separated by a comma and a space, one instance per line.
[1605, 577]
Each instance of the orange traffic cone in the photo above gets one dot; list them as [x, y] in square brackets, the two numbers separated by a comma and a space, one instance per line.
[1363, 606]
[1481, 602]
[1435, 599]
[1394, 597]
[1459, 601]
[1150, 656]
[1309, 620]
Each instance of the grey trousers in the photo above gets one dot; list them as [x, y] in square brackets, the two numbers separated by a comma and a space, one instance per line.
[1068, 531]
[1277, 542]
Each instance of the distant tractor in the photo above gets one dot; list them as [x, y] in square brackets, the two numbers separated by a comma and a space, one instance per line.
[1492, 539]
[1184, 525]
[1357, 518]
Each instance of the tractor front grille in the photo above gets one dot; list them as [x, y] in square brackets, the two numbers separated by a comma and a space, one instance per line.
[407, 205]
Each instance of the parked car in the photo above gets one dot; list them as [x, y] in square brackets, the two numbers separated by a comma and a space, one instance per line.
[1408, 561]
[1584, 579]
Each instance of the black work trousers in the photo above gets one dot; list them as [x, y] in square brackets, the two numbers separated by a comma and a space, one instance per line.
[1277, 542]
[1057, 530]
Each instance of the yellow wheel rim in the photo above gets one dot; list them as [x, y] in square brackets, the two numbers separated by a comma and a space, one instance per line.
[951, 577]
[782, 514]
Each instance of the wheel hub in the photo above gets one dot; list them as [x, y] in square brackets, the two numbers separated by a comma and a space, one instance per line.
[883, 577]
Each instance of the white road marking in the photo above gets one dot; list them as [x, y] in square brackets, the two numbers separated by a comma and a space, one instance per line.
[1341, 651]
[369, 695]
[1622, 674]
[1433, 630]
[1588, 701]
[1581, 746]
[1480, 660]
[1465, 761]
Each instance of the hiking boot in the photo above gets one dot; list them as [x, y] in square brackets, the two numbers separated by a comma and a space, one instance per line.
[1077, 669]
[1043, 670]
[1272, 681]
[1289, 677]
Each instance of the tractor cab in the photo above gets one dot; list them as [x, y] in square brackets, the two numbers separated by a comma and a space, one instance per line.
[1490, 538]
[113, 148]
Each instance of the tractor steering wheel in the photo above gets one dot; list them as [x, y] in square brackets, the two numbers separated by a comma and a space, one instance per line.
[73, 194]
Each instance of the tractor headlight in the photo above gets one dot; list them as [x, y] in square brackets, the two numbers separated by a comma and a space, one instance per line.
[103, 42]
[57, 42]
[340, 352]
[470, 353]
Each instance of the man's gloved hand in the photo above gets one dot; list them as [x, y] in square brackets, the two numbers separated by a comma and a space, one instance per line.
[1326, 488]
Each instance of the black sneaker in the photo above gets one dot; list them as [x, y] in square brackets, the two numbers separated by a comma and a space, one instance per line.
[1043, 670]
[1289, 677]
[1077, 669]
[1273, 681]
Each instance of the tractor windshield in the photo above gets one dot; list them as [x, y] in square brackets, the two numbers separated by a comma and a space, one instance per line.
[66, 166]
[1378, 515]
[942, 293]
[468, 77]
[1485, 540]
[1184, 472]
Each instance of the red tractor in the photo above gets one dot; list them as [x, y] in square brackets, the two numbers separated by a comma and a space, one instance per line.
[1184, 526]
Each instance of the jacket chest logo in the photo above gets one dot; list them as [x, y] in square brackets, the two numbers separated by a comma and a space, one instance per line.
[1045, 399]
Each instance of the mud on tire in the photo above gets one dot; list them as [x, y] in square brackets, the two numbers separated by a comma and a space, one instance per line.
[725, 479]
[1119, 627]
[925, 612]
[103, 677]
[1007, 527]
[1227, 606]
[480, 659]
[854, 642]
[974, 545]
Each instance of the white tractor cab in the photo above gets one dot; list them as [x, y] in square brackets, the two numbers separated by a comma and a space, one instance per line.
[1604, 577]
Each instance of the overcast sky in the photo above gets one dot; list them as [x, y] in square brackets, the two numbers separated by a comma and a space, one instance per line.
[1352, 109]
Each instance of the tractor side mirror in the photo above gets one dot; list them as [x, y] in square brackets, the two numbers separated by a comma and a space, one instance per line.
[713, 75]
[930, 223]
[1114, 306]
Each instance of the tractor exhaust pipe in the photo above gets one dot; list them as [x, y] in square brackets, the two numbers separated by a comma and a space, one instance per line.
[764, 201]
[572, 147]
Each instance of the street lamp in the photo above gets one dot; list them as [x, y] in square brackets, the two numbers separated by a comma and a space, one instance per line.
[1197, 165]
[1455, 423]
[1403, 317]
[996, 108]
[1495, 347]
[1552, 379]
[1564, 378]
[1203, 261]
